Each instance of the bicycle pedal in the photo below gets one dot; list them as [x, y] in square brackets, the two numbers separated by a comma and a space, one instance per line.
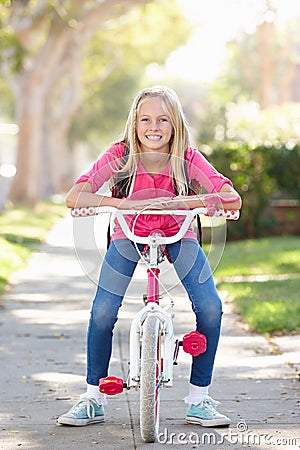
[194, 343]
[111, 385]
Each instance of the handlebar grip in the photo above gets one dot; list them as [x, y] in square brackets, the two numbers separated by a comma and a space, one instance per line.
[228, 214]
[84, 211]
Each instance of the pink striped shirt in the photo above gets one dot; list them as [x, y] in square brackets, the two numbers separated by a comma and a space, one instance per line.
[146, 186]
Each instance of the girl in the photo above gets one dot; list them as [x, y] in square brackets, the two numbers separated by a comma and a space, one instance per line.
[156, 162]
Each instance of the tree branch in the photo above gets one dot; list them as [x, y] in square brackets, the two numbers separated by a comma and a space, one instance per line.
[23, 23]
[92, 17]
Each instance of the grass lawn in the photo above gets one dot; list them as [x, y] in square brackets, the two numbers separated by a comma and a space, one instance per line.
[275, 255]
[21, 230]
[270, 306]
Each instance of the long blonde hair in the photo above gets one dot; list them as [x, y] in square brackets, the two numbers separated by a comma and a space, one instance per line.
[179, 142]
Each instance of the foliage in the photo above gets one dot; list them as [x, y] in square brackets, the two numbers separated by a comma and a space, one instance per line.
[21, 231]
[284, 168]
[6, 101]
[246, 121]
[6, 40]
[258, 174]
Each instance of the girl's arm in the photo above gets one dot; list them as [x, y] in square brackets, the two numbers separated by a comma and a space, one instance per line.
[81, 195]
[227, 198]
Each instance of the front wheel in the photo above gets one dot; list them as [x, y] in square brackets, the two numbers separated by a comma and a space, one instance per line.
[150, 380]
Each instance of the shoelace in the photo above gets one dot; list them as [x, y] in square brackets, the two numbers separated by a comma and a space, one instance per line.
[209, 402]
[90, 406]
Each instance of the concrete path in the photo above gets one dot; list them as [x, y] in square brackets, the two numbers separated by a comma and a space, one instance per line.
[43, 326]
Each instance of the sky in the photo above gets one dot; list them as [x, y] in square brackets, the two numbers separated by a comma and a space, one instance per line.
[216, 22]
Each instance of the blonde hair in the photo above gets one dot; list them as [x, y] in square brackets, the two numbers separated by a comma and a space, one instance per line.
[179, 142]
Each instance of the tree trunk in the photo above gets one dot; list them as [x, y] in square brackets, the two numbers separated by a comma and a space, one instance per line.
[287, 82]
[56, 152]
[63, 99]
[30, 100]
[29, 111]
[265, 34]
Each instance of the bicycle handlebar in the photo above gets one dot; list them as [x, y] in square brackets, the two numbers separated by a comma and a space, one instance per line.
[189, 214]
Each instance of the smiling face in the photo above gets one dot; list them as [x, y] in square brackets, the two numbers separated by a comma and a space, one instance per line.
[153, 126]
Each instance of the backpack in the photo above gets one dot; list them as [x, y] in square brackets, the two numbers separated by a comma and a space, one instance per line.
[122, 183]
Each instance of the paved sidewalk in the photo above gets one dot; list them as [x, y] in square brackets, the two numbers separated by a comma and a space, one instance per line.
[43, 326]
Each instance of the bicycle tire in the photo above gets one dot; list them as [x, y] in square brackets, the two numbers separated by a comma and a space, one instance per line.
[150, 380]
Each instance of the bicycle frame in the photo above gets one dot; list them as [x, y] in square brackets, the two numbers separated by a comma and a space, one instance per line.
[166, 330]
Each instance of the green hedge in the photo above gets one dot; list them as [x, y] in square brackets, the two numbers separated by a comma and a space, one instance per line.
[259, 174]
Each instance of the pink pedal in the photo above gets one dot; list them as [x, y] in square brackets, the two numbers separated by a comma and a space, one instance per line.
[111, 385]
[194, 343]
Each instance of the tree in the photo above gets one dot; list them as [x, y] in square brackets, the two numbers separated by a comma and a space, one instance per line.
[262, 65]
[42, 53]
[261, 68]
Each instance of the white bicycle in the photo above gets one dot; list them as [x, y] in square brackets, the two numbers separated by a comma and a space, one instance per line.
[153, 348]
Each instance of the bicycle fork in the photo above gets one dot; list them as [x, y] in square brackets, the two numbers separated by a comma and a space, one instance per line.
[167, 344]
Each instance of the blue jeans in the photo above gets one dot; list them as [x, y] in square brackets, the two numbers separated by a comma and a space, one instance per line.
[118, 267]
